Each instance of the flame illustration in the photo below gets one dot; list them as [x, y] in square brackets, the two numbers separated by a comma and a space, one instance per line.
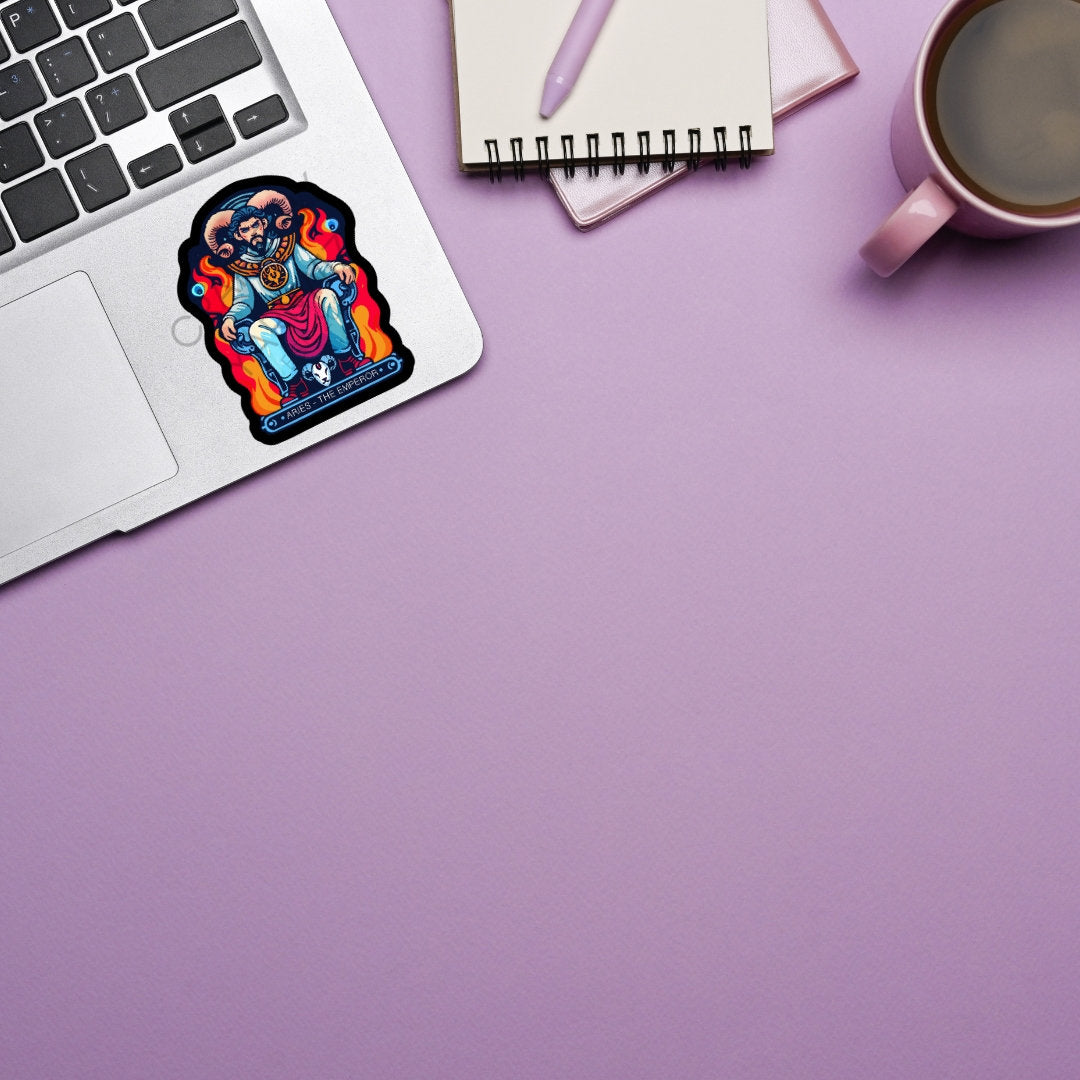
[318, 239]
[367, 316]
[218, 285]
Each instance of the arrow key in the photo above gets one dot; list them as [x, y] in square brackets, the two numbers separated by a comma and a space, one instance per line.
[261, 116]
[155, 166]
[208, 141]
[97, 178]
[196, 115]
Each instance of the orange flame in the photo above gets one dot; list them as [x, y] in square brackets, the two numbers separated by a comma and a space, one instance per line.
[218, 284]
[248, 373]
[377, 345]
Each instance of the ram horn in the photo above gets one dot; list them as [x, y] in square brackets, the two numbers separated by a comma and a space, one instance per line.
[274, 202]
[218, 233]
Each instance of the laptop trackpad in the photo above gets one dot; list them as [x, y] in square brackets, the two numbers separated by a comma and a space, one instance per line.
[76, 432]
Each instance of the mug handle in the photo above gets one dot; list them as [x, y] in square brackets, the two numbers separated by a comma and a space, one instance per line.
[913, 222]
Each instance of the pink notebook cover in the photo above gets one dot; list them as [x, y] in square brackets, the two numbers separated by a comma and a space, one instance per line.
[807, 59]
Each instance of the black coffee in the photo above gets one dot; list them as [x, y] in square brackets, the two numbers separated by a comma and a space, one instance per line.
[1003, 102]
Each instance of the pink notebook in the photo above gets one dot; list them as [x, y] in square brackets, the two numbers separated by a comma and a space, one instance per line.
[807, 58]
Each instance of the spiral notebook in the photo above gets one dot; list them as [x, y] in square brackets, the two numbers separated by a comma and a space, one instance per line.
[665, 82]
[807, 58]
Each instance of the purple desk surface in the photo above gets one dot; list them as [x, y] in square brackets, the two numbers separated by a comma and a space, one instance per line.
[690, 692]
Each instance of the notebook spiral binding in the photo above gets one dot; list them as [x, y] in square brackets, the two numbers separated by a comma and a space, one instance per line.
[644, 159]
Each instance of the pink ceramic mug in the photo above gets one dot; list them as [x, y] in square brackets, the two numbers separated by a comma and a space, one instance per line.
[937, 196]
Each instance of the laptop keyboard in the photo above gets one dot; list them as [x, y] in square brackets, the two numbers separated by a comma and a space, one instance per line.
[76, 75]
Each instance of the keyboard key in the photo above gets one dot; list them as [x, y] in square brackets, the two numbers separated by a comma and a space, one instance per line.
[66, 66]
[118, 43]
[155, 166]
[168, 22]
[260, 117]
[19, 90]
[116, 104]
[202, 129]
[39, 205]
[5, 52]
[7, 241]
[198, 114]
[199, 65]
[19, 153]
[30, 23]
[64, 128]
[97, 179]
[78, 13]
[208, 142]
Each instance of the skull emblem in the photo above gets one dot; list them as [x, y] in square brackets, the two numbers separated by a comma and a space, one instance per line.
[319, 372]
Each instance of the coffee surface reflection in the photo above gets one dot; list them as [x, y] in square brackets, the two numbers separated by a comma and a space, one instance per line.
[1003, 100]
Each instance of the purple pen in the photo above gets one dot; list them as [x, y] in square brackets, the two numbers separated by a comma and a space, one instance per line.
[572, 54]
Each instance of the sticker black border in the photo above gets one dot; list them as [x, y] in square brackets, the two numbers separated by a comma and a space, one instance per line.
[296, 188]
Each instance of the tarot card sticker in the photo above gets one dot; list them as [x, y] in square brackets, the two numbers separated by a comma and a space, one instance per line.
[290, 309]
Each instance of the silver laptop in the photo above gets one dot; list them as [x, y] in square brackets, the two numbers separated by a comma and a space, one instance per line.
[210, 258]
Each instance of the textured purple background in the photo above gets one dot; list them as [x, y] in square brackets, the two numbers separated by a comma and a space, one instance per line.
[690, 692]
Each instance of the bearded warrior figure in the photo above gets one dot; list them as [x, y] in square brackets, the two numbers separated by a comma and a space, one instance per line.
[300, 321]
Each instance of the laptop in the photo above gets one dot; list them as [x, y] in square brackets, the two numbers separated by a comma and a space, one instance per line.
[210, 258]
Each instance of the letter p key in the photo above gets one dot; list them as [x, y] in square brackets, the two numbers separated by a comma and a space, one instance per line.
[31, 23]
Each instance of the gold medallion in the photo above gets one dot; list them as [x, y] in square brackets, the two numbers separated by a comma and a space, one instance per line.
[273, 274]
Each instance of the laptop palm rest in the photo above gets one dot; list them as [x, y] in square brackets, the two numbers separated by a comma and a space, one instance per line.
[76, 432]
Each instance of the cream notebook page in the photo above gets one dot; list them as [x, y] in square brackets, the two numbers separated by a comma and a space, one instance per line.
[658, 65]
